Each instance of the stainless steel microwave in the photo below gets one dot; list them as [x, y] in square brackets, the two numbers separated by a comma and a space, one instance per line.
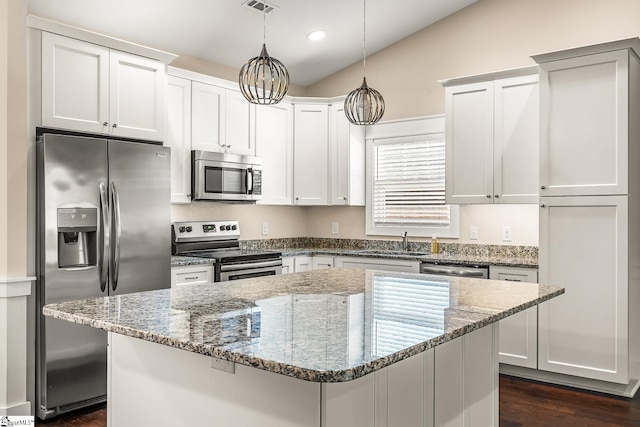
[225, 177]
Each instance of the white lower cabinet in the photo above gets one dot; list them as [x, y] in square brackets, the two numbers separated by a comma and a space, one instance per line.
[302, 263]
[584, 247]
[322, 262]
[192, 275]
[518, 333]
[378, 264]
[288, 265]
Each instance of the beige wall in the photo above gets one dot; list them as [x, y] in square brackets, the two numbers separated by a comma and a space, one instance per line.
[13, 139]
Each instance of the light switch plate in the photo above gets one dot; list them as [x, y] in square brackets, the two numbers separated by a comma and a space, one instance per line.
[506, 233]
[334, 228]
[265, 228]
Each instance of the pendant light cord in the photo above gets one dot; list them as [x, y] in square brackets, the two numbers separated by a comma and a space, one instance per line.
[364, 39]
[264, 23]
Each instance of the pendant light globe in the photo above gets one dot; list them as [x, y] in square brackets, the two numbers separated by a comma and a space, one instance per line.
[364, 105]
[263, 79]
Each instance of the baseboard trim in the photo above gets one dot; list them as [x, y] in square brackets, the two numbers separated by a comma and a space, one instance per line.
[624, 390]
[15, 287]
[21, 409]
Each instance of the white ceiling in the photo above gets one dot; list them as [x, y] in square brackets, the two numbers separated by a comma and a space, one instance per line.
[225, 32]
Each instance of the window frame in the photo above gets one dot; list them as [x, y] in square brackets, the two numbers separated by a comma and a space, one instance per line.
[397, 132]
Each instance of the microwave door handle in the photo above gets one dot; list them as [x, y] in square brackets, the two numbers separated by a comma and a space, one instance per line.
[103, 236]
[250, 181]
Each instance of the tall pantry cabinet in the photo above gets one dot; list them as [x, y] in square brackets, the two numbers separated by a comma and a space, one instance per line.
[590, 215]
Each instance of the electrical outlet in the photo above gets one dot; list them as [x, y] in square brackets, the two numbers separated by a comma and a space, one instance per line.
[506, 233]
[473, 232]
[334, 228]
[265, 228]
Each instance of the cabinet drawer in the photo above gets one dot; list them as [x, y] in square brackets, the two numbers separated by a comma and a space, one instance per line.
[191, 275]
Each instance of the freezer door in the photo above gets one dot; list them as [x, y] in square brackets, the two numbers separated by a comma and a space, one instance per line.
[71, 364]
[141, 217]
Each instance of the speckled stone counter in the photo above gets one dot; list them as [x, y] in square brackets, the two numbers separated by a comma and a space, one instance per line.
[182, 261]
[301, 325]
[454, 253]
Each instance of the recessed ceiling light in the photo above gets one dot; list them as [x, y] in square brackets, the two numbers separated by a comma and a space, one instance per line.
[316, 35]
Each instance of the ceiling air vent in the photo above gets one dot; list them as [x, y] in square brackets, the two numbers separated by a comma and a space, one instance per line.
[259, 5]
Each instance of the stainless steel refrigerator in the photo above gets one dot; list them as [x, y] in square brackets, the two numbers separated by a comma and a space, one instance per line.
[103, 229]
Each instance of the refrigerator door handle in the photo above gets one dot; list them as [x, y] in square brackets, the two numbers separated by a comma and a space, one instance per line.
[103, 243]
[115, 260]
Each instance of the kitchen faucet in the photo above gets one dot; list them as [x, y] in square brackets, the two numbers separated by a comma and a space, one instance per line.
[405, 243]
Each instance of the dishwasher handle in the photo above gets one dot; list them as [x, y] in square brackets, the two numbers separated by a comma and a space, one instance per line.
[454, 271]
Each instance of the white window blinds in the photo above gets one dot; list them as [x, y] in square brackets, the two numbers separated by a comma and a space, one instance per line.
[408, 184]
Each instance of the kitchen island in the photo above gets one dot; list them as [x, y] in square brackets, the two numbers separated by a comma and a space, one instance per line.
[335, 347]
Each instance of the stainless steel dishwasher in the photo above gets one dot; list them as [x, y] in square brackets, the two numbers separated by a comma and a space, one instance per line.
[456, 270]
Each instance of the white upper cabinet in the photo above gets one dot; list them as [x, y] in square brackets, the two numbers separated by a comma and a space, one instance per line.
[222, 120]
[311, 154]
[91, 88]
[207, 117]
[274, 144]
[346, 159]
[492, 138]
[179, 137]
[584, 124]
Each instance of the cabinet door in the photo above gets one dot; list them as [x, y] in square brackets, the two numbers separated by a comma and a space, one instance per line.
[288, 265]
[322, 262]
[346, 160]
[207, 117]
[584, 248]
[191, 275]
[311, 154]
[75, 84]
[240, 118]
[584, 125]
[274, 144]
[515, 144]
[302, 263]
[518, 333]
[469, 147]
[137, 96]
[179, 137]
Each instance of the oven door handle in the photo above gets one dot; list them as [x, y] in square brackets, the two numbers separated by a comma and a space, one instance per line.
[452, 272]
[232, 267]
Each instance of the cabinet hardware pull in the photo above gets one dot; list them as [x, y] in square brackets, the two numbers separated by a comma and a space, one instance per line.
[191, 278]
[105, 123]
[542, 206]
[115, 125]
[542, 187]
[496, 196]
[488, 196]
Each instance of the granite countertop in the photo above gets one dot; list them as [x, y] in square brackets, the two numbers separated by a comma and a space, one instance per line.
[458, 258]
[328, 325]
[451, 258]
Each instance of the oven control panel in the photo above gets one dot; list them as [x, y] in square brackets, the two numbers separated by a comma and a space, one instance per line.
[205, 230]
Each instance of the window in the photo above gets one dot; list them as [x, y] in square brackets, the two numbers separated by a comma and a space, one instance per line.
[406, 190]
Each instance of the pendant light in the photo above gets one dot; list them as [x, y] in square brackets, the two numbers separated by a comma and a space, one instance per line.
[263, 79]
[364, 105]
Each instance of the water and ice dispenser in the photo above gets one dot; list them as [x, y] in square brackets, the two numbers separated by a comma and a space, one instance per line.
[77, 234]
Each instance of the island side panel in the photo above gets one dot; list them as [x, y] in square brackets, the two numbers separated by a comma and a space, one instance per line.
[466, 380]
[152, 384]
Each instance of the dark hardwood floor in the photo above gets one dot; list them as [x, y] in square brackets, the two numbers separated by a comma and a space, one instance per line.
[522, 403]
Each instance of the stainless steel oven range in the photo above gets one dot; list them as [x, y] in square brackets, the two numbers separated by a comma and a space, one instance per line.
[219, 241]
